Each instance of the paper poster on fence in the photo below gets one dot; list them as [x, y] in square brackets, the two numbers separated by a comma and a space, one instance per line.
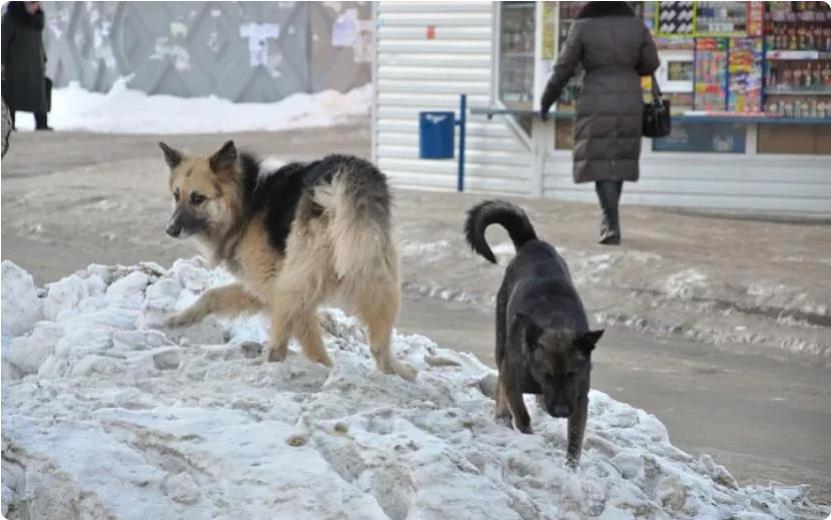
[363, 43]
[258, 35]
[345, 29]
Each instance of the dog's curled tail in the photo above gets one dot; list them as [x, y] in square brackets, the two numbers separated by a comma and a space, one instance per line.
[508, 215]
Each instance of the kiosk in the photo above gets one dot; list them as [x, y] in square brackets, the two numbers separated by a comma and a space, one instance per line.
[750, 85]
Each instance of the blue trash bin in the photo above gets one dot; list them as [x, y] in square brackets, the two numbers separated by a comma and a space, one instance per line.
[436, 132]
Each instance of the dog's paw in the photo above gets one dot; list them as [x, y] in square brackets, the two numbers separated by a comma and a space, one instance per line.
[179, 319]
[572, 462]
[324, 360]
[525, 428]
[505, 420]
[277, 355]
[405, 371]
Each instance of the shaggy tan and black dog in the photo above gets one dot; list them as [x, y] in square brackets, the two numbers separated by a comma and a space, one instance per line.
[294, 238]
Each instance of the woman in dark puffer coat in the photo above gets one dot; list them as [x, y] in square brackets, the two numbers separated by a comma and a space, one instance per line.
[615, 49]
[24, 61]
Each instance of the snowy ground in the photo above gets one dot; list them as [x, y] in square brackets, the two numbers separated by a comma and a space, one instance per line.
[663, 296]
[126, 111]
[107, 415]
[763, 285]
[767, 297]
[711, 307]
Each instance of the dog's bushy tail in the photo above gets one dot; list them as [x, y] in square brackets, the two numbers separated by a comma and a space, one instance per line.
[358, 200]
[508, 215]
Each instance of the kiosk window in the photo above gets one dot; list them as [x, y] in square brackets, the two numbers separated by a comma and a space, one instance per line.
[516, 54]
[702, 137]
[680, 70]
[516, 57]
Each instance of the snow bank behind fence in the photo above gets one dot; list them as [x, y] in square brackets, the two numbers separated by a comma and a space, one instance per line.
[127, 111]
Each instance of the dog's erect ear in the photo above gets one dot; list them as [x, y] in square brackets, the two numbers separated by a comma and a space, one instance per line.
[171, 157]
[532, 331]
[587, 341]
[224, 158]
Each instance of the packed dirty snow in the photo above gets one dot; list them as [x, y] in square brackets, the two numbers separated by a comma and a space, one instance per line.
[123, 110]
[642, 290]
[107, 414]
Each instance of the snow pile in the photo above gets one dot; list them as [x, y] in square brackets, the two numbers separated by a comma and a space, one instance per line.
[126, 111]
[106, 415]
[21, 306]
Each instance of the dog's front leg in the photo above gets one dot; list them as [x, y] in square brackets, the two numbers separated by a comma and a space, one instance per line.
[228, 300]
[520, 413]
[576, 430]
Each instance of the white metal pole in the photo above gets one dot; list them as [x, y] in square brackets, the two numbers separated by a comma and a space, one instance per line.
[538, 130]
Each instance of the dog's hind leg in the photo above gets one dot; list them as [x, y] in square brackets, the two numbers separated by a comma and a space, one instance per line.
[301, 323]
[576, 430]
[307, 331]
[503, 413]
[281, 330]
[229, 300]
[295, 295]
[377, 308]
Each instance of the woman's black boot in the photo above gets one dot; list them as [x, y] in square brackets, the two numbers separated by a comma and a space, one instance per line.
[40, 121]
[608, 193]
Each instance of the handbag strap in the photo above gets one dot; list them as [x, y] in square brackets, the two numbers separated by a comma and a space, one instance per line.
[656, 90]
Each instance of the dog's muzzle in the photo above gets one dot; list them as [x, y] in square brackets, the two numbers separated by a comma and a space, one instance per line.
[174, 229]
[184, 223]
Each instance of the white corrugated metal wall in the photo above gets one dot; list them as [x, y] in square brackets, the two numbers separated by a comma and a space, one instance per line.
[755, 183]
[414, 73]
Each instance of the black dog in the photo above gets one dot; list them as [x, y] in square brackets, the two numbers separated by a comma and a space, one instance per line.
[543, 341]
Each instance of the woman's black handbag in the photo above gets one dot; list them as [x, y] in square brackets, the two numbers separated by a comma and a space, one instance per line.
[656, 120]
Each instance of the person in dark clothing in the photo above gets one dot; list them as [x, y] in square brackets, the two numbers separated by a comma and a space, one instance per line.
[24, 61]
[6, 130]
[615, 49]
